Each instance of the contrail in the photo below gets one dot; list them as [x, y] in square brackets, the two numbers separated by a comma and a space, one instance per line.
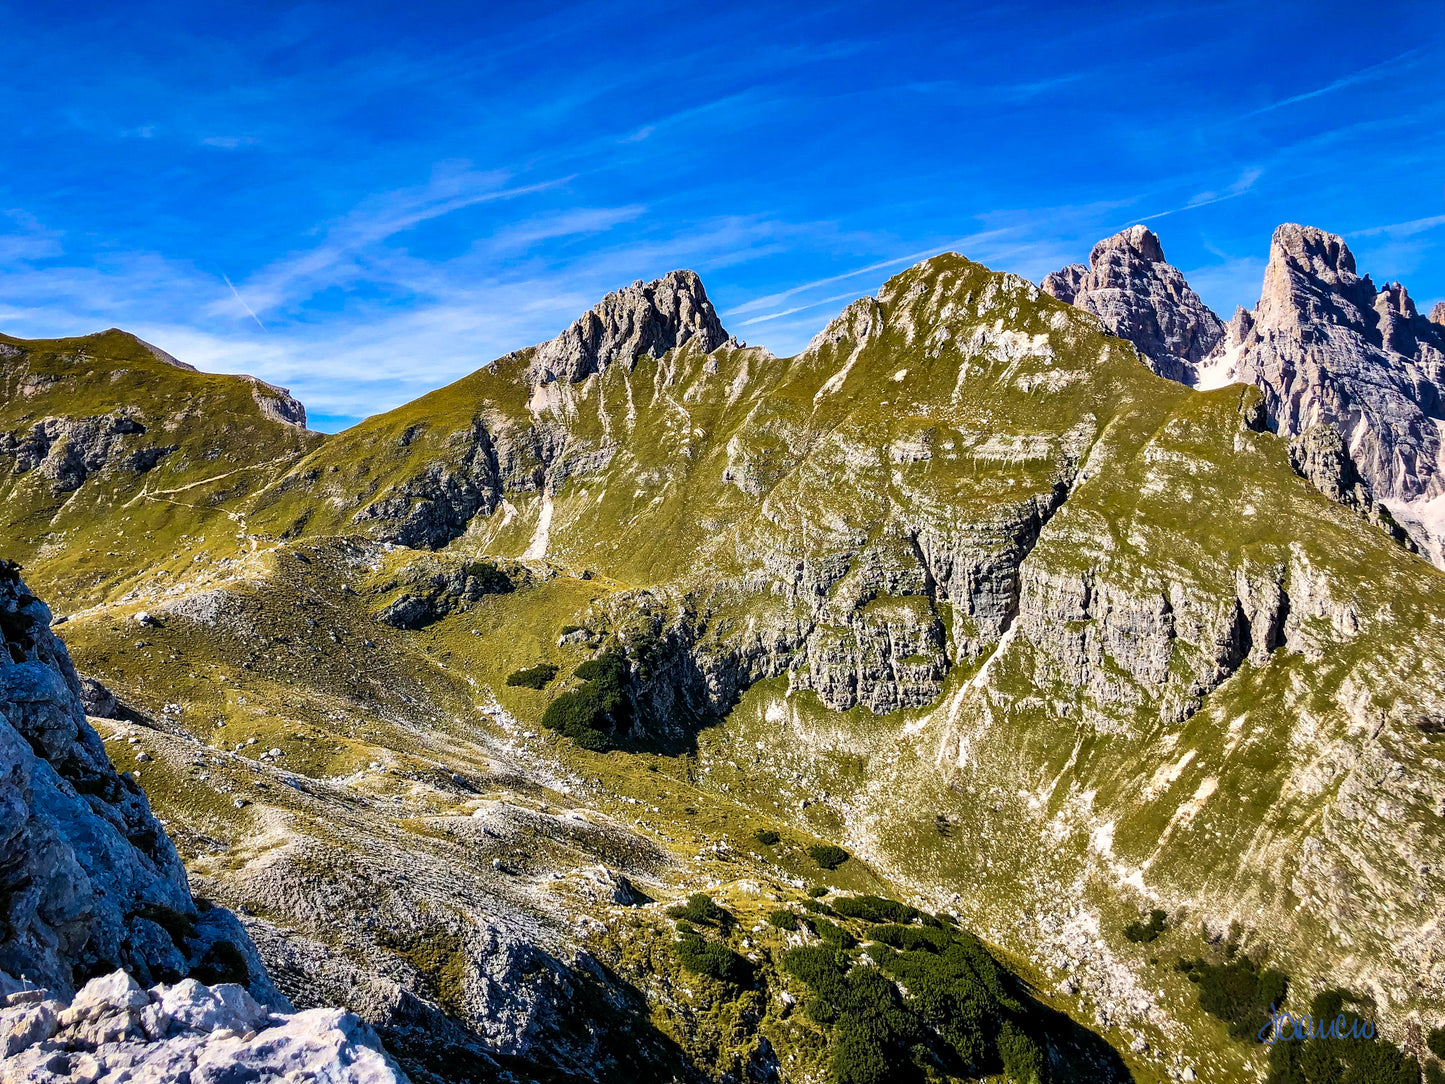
[242, 300]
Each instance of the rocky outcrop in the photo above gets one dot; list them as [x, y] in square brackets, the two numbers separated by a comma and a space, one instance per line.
[67, 451]
[278, 404]
[432, 588]
[113, 1031]
[1319, 454]
[1325, 346]
[1437, 314]
[89, 879]
[90, 884]
[1140, 297]
[644, 318]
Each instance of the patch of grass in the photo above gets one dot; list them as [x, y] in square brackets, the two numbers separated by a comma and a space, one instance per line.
[439, 957]
[533, 677]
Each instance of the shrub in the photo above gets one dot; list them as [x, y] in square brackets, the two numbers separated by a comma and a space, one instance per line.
[1436, 1042]
[570, 628]
[818, 890]
[911, 938]
[766, 836]
[1237, 992]
[832, 932]
[784, 919]
[712, 958]
[491, 580]
[874, 909]
[827, 855]
[872, 1028]
[1022, 1061]
[589, 715]
[535, 677]
[1351, 1059]
[701, 909]
[1141, 932]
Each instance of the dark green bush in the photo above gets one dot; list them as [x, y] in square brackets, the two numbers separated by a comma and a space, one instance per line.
[491, 579]
[874, 909]
[712, 958]
[911, 938]
[592, 714]
[766, 836]
[784, 919]
[1433, 1073]
[818, 890]
[827, 855]
[1325, 1058]
[1144, 932]
[1022, 1060]
[701, 909]
[570, 628]
[1237, 992]
[1436, 1042]
[534, 677]
[832, 932]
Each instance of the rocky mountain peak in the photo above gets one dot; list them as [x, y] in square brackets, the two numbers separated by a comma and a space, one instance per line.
[1311, 278]
[1437, 314]
[1140, 297]
[1138, 242]
[644, 318]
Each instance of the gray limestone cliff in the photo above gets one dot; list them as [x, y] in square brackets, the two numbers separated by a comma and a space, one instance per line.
[1140, 297]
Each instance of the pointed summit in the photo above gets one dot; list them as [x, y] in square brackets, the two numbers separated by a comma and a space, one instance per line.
[644, 318]
[1140, 297]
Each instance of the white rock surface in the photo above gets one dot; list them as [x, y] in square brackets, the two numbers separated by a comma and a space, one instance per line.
[115, 1031]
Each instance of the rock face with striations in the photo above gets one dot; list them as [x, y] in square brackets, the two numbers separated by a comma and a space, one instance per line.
[1323, 345]
[1139, 297]
[644, 318]
[1326, 347]
[91, 885]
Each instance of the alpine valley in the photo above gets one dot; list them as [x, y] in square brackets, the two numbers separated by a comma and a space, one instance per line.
[1027, 683]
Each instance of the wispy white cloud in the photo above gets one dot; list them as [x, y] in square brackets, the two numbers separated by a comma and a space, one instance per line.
[1242, 185]
[1363, 75]
[1402, 229]
[337, 259]
[228, 143]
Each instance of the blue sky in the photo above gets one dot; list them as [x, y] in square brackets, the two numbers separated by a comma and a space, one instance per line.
[365, 201]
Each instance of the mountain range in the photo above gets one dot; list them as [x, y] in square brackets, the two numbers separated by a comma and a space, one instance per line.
[1067, 620]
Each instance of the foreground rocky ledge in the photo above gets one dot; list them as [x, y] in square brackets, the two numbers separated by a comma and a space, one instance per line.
[115, 1031]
